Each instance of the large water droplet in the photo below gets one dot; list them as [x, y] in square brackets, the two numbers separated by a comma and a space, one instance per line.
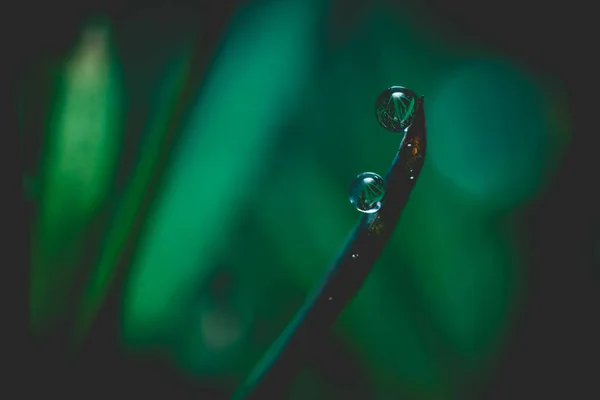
[396, 108]
[367, 191]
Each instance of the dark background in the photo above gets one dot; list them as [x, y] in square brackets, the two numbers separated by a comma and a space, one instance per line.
[551, 352]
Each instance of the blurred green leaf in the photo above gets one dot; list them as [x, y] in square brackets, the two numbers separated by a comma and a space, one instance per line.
[78, 167]
[257, 78]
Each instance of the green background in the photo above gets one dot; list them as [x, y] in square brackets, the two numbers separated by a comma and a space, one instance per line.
[220, 216]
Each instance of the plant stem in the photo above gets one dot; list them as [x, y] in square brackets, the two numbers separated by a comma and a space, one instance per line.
[273, 375]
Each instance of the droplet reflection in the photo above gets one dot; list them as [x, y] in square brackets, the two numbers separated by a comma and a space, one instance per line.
[396, 108]
[367, 191]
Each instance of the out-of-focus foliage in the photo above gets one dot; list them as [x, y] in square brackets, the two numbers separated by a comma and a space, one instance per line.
[254, 205]
[79, 157]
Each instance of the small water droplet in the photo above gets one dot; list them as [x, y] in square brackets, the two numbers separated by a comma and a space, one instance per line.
[354, 255]
[331, 298]
[412, 149]
[367, 191]
[396, 107]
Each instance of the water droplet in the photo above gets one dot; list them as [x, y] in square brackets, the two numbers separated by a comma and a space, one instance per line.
[331, 298]
[396, 108]
[354, 255]
[367, 191]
